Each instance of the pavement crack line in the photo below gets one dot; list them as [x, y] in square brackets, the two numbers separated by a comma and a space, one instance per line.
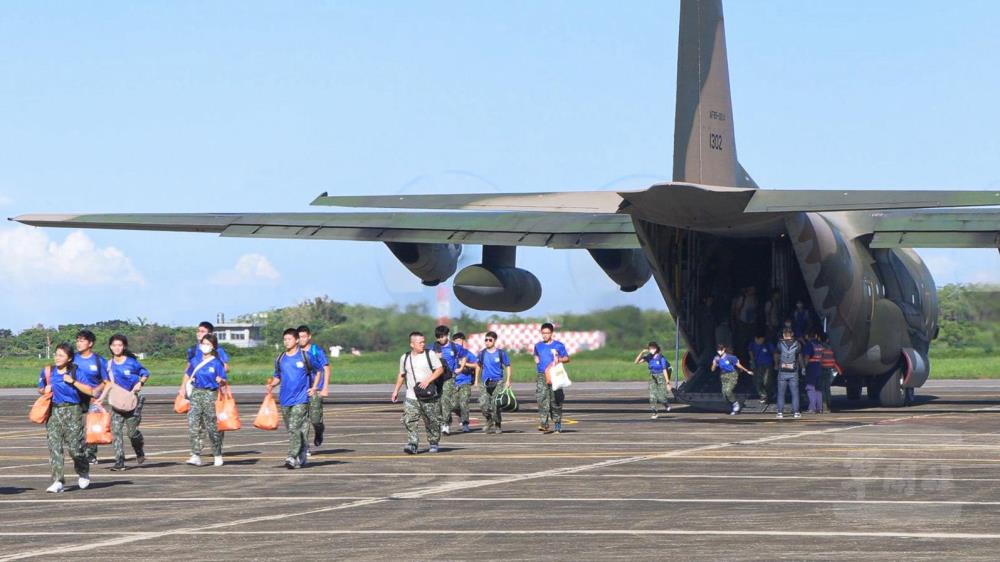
[433, 490]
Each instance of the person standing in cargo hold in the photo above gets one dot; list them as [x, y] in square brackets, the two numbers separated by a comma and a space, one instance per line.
[549, 352]
[790, 362]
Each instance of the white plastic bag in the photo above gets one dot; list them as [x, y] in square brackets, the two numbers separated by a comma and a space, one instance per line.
[559, 377]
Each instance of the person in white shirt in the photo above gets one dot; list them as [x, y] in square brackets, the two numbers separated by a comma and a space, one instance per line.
[418, 370]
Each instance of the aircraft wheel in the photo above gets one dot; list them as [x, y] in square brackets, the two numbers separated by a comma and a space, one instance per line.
[892, 394]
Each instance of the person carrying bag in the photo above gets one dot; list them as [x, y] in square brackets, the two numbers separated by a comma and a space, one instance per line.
[418, 370]
[126, 376]
[208, 385]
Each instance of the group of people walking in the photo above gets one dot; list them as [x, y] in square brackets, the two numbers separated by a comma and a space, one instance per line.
[439, 382]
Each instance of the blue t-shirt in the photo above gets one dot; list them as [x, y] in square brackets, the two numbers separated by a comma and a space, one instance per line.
[205, 376]
[543, 351]
[127, 374]
[762, 353]
[470, 360]
[493, 363]
[195, 356]
[62, 392]
[88, 371]
[727, 363]
[658, 364]
[450, 354]
[317, 360]
[294, 379]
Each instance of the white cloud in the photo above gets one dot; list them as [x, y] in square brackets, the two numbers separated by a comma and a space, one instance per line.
[250, 269]
[29, 257]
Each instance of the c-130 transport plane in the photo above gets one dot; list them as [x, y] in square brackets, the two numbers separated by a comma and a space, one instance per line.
[847, 252]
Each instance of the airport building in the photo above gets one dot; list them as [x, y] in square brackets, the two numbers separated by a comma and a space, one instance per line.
[238, 334]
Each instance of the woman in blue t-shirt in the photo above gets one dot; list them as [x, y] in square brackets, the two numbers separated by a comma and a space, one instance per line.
[125, 370]
[659, 371]
[207, 376]
[64, 427]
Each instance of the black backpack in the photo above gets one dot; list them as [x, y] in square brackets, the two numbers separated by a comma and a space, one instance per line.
[448, 373]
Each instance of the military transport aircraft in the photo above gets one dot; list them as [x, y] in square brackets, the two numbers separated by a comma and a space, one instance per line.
[847, 252]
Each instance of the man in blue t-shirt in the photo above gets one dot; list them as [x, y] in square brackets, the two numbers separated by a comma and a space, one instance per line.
[494, 363]
[90, 368]
[762, 363]
[464, 379]
[194, 355]
[548, 353]
[319, 382]
[293, 371]
[453, 361]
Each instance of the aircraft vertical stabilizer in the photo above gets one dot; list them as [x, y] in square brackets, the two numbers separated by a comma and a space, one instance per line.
[704, 143]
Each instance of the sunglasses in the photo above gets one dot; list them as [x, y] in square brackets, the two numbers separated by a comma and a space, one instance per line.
[490, 339]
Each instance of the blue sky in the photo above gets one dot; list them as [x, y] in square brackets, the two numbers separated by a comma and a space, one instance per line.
[251, 106]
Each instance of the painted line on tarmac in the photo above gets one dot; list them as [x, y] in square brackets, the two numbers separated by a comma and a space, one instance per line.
[858, 458]
[219, 499]
[414, 494]
[452, 475]
[132, 536]
[713, 501]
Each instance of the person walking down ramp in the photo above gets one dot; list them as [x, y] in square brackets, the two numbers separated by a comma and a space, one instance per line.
[659, 373]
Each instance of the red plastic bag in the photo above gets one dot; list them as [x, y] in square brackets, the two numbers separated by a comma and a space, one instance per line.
[226, 414]
[39, 412]
[267, 415]
[98, 425]
[181, 404]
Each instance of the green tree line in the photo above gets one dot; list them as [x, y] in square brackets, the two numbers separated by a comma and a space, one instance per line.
[970, 320]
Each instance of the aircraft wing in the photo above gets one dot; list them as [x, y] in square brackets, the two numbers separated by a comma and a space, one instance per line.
[554, 230]
[936, 228]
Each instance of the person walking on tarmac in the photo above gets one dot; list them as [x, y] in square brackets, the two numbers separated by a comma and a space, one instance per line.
[418, 370]
[762, 363]
[549, 352]
[494, 368]
[319, 383]
[463, 381]
[729, 367]
[659, 373]
[790, 362]
[453, 360]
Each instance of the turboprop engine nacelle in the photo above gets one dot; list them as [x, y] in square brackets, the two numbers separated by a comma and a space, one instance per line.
[432, 263]
[496, 284]
[629, 269]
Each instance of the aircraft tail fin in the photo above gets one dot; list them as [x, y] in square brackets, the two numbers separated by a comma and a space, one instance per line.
[704, 143]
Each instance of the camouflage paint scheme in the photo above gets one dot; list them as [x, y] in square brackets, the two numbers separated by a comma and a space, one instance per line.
[851, 246]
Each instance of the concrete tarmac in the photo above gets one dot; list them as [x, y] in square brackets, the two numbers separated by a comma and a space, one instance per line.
[864, 482]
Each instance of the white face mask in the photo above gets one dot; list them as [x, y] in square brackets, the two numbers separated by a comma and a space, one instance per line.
[722, 352]
[205, 348]
[652, 352]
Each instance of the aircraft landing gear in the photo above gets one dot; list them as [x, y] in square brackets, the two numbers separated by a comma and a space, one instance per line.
[892, 394]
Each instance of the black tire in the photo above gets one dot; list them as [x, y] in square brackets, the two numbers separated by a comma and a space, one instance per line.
[892, 394]
[853, 388]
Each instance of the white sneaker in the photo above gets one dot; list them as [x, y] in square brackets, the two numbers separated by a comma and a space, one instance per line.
[55, 488]
[668, 407]
[195, 460]
[654, 416]
[446, 429]
[83, 481]
[736, 407]
[218, 460]
[796, 415]
[780, 415]
[308, 453]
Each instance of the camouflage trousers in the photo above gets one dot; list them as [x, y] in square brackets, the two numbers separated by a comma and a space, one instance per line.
[463, 395]
[729, 381]
[65, 428]
[430, 412]
[201, 418]
[549, 401]
[296, 420]
[492, 414]
[449, 397]
[316, 409]
[659, 390]
[123, 423]
[764, 380]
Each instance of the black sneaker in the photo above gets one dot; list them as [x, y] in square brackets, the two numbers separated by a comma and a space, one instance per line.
[140, 456]
[119, 466]
[318, 437]
[410, 449]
